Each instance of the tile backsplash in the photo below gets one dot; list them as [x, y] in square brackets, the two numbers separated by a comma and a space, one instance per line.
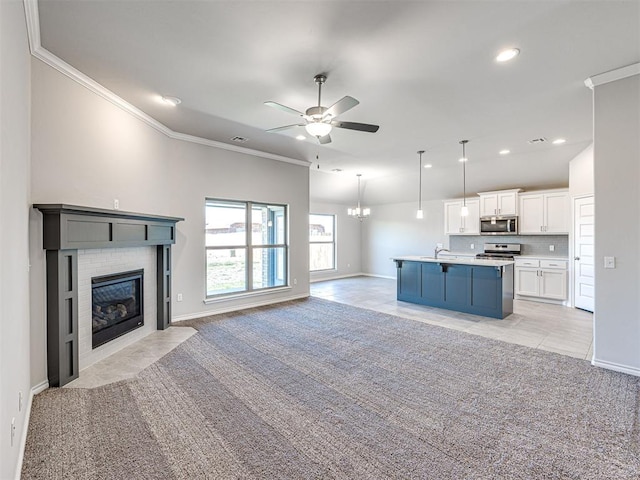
[531, 244]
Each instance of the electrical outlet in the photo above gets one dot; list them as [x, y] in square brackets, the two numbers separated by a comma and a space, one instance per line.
[116, 204]
[295, 281]
[13, 430]
[348, 265]
[552, 248]
[179, 297]
[609, 262]
[473, 246]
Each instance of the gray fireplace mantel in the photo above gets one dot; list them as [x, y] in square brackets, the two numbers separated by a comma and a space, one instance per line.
[69, 228]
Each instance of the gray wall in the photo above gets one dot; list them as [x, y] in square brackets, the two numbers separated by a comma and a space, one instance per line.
[348, 234]
[87, 151]
[14, 216]
[394, 230]
[617, 233]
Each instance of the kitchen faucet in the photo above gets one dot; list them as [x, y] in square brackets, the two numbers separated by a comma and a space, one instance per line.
[438, 250]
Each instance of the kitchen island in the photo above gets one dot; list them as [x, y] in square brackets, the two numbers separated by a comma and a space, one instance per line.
[478, 286]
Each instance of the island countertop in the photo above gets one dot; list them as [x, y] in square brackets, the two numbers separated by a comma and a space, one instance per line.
[479, 262]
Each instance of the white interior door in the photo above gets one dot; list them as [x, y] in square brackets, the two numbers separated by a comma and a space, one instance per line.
[583, 265]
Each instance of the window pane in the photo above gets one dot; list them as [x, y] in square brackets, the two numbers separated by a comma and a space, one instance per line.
[225, 224]
[267, 224]
[321, 256]
[269, 267]
[321, 228]
[226, 270]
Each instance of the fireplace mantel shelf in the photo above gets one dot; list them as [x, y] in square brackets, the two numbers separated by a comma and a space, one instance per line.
[69, 228]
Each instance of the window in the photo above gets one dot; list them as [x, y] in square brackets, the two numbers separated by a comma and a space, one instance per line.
[322, 242]
[241, 258]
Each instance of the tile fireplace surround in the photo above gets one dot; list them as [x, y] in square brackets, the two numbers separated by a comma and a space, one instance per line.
[68, 229]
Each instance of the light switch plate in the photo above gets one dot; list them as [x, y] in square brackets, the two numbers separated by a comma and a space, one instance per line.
[609, 262]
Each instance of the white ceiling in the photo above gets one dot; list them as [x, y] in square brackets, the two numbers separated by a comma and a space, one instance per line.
[424, 71]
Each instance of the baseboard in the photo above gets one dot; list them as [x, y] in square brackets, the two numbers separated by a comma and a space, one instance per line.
[41, 387]
[216, 311]
[616, 367]
[335, 277]
[378, 276]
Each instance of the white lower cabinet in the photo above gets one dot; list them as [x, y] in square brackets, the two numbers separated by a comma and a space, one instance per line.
[541, 278]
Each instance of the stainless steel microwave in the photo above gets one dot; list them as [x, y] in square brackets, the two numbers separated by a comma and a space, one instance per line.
[493, 225]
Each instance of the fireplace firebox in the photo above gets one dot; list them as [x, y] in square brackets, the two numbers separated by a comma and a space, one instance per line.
[117, 305]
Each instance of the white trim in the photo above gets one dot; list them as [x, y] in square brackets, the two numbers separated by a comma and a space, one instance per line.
[616, 367]
[334, 277]
[41, 53]
[234, 308]
[613, 75]
[240, 295]
[41, 387]
[379, 276]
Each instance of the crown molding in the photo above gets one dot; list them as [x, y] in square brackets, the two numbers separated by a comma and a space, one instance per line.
[44, 55]
[613, 75]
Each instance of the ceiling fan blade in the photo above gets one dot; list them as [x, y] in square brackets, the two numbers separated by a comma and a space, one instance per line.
[341, 106]
[286, 127]
[362, 127]
[284, 108]
[325, 139]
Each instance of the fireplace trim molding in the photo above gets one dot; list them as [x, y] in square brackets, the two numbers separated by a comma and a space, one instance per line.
[68, 228]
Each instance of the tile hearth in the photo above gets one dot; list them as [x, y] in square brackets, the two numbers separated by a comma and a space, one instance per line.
[132, 359]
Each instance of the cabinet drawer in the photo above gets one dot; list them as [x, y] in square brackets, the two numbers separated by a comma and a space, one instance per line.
[561, 264]
[522, 262]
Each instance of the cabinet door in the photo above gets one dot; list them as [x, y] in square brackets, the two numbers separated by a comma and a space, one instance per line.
[527, 282]
[452, 218]
[409, 280]
[488, 205]
[507, 203]
[457, 285]
[531, 214]
[553, 284]
[432, 283]
[556, 206]
[486, 288]
[471, 223]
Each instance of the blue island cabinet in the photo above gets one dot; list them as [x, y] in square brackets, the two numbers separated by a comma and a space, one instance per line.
[478, 289]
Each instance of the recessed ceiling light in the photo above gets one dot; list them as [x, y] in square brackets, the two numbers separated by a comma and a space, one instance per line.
[173, 101]
[504, 152]
[558, 141]
[428, 165]
[301, 137]
[508, 54]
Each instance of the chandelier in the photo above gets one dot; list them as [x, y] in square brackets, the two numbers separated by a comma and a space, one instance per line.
[359, 212]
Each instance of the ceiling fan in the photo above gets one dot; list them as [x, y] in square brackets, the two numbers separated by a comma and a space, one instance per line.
[318, 120]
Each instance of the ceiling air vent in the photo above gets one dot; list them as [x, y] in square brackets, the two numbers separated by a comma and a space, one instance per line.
[537, 140]
[239, 139]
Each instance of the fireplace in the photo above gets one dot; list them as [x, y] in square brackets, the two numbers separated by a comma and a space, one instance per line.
[116, 305]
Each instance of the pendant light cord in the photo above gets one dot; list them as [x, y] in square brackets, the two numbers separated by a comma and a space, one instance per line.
[420, 152]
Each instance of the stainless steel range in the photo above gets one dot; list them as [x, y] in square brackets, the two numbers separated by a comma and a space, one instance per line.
[505, 251]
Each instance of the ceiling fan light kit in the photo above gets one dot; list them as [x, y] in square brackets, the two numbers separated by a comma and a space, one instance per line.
[318, 120]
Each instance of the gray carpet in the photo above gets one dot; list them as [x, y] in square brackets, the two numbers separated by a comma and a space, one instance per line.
[316, 389]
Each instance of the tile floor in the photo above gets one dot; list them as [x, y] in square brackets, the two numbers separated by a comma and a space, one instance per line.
[563, 330]
[554, 328]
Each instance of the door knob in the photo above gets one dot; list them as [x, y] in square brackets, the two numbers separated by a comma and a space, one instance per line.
[576, 258]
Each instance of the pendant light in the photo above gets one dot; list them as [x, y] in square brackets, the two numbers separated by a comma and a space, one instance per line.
[464, 211]
[420, 213]
[358, 212]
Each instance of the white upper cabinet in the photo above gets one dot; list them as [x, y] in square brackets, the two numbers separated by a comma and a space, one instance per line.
[544, 213]
[504, 202]
[455, 224]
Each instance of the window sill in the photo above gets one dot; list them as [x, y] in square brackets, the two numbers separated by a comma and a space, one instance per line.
[257, 293]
